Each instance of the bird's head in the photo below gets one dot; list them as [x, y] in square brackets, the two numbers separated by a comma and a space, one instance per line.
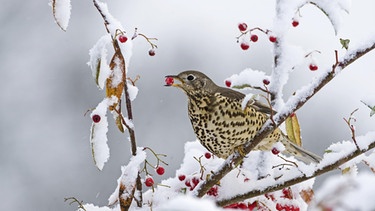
[191, 81]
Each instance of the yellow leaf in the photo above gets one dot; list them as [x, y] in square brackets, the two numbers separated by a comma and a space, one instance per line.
[293, 129]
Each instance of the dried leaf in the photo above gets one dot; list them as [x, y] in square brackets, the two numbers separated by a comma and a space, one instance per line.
[126, 195]
[114, 86]
[307, 195]
[61, 12]
[293, 129]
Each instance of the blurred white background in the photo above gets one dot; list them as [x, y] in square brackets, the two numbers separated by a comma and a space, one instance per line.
[46, 87]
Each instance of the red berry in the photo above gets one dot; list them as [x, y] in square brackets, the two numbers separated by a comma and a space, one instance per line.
[252, 206]
[212, 191]
[295, 23]
[272, 38]
[287, 193]
[122, 38]
[195, 181]
[181, 177]
[149, 182]
[279, 207]
[207, 155]
[293, 114]
[275, 151]
[160, 170]
[242, 26]
[266, 81]
[246, 179]
[242, 206]
[245, 46]
[151, 52]
[228, 83]
[313, 67]
[187, 183]
[96, 118]
[254, 37]
[169, 81]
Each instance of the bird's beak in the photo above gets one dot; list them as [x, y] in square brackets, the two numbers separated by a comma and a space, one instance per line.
[170, 80]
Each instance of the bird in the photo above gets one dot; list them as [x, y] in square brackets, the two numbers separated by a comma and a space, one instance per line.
[220, 122]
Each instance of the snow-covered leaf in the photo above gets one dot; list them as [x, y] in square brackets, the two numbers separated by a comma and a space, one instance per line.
[98, 61]
[98, 138]
[61, 12]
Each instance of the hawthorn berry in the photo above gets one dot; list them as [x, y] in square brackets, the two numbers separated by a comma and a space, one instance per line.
[169, 81]
[207, 155]
[160, 170]
[254, 37]
[244, 46]
[195, 181]
[275, 151]
[149, 182]
[122, 38]
[242, 26]
[266, 81]
[272, 38]
[287, 192]
[151, 52]
[212, 191]
[295, 23]
[228, 83]
[313, 67]
[187, 183]
[181, 177]
[293, 114]
[96, 118]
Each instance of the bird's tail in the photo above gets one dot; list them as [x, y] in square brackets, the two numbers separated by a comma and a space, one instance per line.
[299, 153]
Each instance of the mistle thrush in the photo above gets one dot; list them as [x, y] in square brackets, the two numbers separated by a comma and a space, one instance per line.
[220, 122]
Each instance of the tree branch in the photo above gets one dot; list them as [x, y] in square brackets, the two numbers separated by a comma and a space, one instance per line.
[294, 103]
[296, 180]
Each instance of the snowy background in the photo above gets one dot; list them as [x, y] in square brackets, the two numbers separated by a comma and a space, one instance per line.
[46, 87]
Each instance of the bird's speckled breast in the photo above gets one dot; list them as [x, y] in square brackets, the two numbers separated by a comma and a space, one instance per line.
[220, 123]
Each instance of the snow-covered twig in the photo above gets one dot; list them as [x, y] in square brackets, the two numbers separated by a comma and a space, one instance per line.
[294, 103]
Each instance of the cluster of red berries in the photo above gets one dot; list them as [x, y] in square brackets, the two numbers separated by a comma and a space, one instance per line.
[253, 37]
[149, 181]
[122, 38]
[287, 194]
[244, 206]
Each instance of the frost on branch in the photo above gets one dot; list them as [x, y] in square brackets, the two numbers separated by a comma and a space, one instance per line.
[61, 12]
[99, 129]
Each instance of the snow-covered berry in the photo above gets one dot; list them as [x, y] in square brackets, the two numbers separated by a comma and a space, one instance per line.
[160, 170]
[207, 155]
[122, 38]
[169, 81]
[254, 37]
[149, 182]
[245, 46]
[96, 118]
[242, 26]
[213, 191]
[228, 83]
[266, 81]
[313, 67]
[181, 177]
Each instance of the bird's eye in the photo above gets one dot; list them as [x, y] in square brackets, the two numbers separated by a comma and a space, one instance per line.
[190, 77]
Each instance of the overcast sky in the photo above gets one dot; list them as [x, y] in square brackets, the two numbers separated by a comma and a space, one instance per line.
[46, 87]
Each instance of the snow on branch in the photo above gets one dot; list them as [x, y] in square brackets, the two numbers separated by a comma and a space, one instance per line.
[331, 161]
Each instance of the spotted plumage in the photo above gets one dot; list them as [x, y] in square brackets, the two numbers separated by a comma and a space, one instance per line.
[219, 121]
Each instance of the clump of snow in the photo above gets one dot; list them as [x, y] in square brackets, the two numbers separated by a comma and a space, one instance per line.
[188, 203]
[133, 91]
[129, 175]
[98, 61]
[249, 99]
[98, 138]
[61, 12]
[248, 76]
[346, 193]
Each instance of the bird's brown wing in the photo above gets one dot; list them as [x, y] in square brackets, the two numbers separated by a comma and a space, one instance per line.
[233, 94]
